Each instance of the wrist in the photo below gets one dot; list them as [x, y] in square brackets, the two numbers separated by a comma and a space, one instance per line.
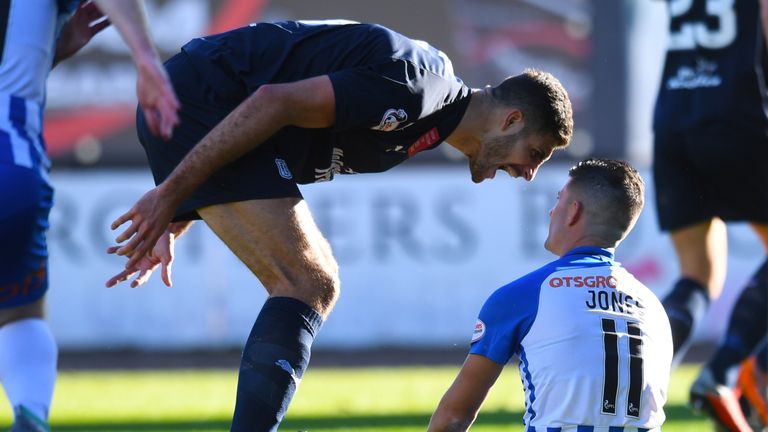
[146, 60]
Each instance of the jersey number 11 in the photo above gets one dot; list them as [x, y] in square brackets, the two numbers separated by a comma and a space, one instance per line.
[611, 367]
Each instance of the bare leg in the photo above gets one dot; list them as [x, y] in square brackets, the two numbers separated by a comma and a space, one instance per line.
[702, 251]
[280, 243]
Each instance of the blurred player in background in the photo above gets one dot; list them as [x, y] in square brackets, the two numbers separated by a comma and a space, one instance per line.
[34, 36]
[273, 105]
[594, 344]
[710, 166]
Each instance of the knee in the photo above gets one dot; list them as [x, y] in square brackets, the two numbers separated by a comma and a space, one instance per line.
[327, 287]
[315, 283]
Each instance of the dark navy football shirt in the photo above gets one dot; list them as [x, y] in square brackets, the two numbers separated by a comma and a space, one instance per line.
[715, 66]
[395, 96]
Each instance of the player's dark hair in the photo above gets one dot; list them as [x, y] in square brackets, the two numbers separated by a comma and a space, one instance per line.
[543, 101]
[613, 195]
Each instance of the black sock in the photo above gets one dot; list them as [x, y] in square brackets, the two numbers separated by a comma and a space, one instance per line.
[746, 328]
[274, 360]
[685, 306]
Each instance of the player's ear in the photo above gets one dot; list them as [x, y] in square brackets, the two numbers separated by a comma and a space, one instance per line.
[575, 212]
[513, 120]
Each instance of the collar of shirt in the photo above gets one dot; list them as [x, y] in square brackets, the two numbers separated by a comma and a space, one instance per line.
[591, 250]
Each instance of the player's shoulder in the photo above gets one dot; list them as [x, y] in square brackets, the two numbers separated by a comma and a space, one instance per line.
[528, 285]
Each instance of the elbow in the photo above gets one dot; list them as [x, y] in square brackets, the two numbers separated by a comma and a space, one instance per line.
[268, 101]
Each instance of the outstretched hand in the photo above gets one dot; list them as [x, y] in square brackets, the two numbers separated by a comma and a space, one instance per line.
[87, 21]
[149, 219]
[162, 254]
[157, 98]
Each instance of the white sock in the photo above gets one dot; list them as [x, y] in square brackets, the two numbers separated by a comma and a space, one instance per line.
[28, 355]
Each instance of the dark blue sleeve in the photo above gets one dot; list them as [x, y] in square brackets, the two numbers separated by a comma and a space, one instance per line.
[368, 97]
[506, 317]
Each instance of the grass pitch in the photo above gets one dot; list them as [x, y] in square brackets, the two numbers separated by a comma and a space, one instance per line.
[330, 400]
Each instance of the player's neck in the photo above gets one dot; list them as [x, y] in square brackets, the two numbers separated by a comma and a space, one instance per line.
[588, 240]
[467, 136]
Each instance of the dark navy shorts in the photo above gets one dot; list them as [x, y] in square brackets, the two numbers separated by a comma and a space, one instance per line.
[260, 174]
[25, 202]
[713, 171]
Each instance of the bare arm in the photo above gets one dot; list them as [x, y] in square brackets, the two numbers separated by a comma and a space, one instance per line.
[153, 88]
[129, 19]
[459, 406]
[308, 103]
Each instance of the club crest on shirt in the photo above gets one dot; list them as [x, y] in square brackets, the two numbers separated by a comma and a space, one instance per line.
[479, 331]
[391, 120]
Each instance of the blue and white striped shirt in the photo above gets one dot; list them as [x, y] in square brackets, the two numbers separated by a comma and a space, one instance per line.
[594, 345]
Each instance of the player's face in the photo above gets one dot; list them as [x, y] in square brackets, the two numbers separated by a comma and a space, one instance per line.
[520, 155]
[557, 222]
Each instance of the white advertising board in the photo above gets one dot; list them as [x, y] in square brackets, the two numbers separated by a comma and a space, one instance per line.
[419, 248]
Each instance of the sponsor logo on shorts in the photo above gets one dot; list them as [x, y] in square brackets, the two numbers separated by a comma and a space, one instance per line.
[282, 168]
[30, 285]
[479, 331]
[583, 281]
[424, 142]
[391, 120]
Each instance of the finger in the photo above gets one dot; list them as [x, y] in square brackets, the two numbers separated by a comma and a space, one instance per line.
[120, 277]
[150, 238]
[166, 274]
[152, 123]
[169, 120]
[168, 111]
[132, 248]
[99, 26]
[129, 232]
[143, 277]
[125, 217]
[137, 250]
[134, 244]
[112, 249]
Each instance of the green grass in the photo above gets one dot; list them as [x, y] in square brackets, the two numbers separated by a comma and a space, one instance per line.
[332, 400]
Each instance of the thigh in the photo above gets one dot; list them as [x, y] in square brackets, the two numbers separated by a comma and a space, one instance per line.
[280, 243]
[24, 209]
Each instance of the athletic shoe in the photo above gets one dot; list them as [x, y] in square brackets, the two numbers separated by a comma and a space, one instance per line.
[719, 402]
[753, 385]
[26, 421]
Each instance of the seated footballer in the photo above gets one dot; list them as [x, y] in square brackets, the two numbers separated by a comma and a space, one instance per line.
[594, 344]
